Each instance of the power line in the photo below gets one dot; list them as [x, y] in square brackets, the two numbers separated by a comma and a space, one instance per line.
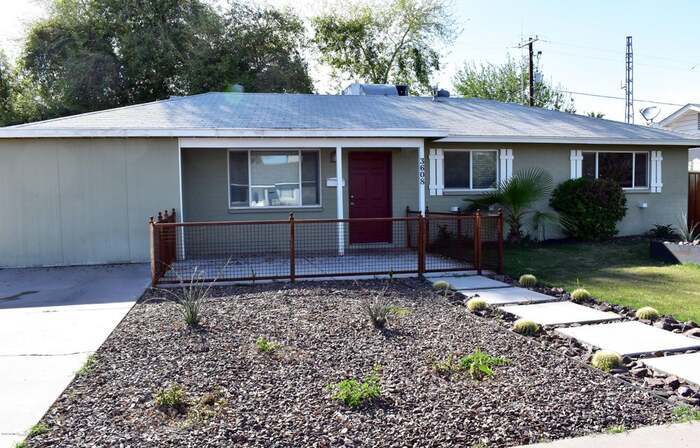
[571, 92]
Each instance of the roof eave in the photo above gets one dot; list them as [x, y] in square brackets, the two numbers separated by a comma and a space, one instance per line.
[674, 116]
[568, 140]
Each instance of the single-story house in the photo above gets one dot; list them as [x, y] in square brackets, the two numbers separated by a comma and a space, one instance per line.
[686, 120]
[80, 189]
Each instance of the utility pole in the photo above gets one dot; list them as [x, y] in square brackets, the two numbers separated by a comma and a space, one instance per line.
[531, 69]
[629, 81]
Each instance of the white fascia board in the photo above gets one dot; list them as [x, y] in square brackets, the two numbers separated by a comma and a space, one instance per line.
[26, 132]
[674, 116]
[570, 140]
[297, 142]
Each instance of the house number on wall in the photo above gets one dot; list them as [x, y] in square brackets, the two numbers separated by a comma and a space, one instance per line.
[421, 171]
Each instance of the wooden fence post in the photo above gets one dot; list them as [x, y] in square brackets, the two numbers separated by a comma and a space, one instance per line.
[155, 244]
[292, 248]
[477, 241]
[500, 240]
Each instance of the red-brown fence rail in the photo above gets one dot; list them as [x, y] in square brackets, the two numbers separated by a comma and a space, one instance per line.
[693, 199]
[294, 248]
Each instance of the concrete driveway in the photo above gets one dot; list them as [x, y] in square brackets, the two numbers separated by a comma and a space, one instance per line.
[51, 320]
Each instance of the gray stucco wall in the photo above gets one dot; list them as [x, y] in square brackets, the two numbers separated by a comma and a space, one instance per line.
[82, 201]
[205, 185]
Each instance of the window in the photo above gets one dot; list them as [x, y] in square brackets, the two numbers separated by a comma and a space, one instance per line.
[470, 170]
[285, 178]
[629, 169]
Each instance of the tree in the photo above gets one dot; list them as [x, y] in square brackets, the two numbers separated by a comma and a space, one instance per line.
[6, 88]
[595, 114]
[508, 83]
[394, 43]
[516, 195]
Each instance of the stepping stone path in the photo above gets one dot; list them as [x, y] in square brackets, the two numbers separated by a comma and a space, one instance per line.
[559, 313]
[630, 338]
[626, 338]
[686, 366]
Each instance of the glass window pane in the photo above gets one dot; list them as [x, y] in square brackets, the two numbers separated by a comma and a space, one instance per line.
[274, 178]
[588, 165]
[456, 170]
[484, 169]
[238, 177]
[309, 178]
[641, 176]
[616, 166]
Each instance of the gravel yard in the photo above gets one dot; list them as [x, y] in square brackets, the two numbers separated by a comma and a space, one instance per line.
[236, 395]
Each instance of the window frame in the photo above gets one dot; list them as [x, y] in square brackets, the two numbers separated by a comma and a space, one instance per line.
[634, 161]
[248, 152]
[471, 171]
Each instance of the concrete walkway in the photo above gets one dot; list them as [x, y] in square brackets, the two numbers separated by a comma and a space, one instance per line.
[51, 320]
[681, 435]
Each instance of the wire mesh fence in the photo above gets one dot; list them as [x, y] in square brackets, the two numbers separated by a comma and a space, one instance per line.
[291, 249]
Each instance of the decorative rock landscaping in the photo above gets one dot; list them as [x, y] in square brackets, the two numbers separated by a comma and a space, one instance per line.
[232, 394]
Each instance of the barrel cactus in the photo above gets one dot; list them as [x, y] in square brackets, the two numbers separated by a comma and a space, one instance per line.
[580, 295]
[476, 304]
[606, 360]
[527, 280]
[526, 327]
[441, 285]
[647, 313]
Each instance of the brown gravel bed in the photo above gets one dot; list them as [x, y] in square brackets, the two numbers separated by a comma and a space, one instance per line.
[281, 400]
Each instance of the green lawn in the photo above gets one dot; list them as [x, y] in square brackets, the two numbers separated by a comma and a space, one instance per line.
[617, 272]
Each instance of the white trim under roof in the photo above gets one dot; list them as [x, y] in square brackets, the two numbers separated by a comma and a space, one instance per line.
[680, 141]
[671, 118]
[277, 142]
[20, 132]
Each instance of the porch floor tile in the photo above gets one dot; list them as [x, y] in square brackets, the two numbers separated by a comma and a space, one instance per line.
[686, 366]
[629, 338]
[559, 313]
[508, 296]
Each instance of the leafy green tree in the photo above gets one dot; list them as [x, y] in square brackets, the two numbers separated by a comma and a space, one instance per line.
[595, 114]
[6, 88]
[393, 43]
[508, 83]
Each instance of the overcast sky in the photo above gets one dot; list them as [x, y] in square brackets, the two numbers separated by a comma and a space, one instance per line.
[582, 44]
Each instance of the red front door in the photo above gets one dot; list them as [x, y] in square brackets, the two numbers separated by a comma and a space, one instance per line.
[370, 196]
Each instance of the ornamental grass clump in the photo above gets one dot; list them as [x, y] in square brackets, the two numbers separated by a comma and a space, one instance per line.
[606, 360]
[526, 327]
[647, 313]
[580, 295]
[377, 310]
[442, 285]
[527, 280]
[353, 393]
[476, 304]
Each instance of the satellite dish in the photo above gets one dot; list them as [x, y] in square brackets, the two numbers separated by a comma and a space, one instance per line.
[649, 113]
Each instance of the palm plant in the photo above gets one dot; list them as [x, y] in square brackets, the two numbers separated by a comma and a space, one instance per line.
[516, 195]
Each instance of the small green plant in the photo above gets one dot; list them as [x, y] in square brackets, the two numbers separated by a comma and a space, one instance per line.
[442, 285]
[616, 429]
[21, 444]
[528, 280]
[377, 310]
[580, 295]
[606, 360]
[399, 311]
[172, 397]
[685, 414]
[476, 304]
[526, 327]
[478, 364]
[264, 345]
[87, 366]
[663, 231]
[446, 367]
[38, 429]
[353, 392]
[646, 313]
[206, 408]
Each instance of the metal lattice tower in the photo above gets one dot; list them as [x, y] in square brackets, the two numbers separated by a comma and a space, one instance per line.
[629, 81]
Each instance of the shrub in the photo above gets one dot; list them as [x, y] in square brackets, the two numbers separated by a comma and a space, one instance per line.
[478, 364]
[353, 392]
[526, 327]
[377, 310]
[87, 366]
[38, 429]
[663, 231]
[685, 414]
[580, 295]
[687, 234]
[172, 397]
[646, 313]
[442, 285]
[606, 360]
[399, 311]
[476, 304]
[264, 345]
[527, 280]
[589, 209]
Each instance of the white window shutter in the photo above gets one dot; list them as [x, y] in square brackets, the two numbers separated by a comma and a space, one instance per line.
[436, 184]
[576, 163]
[506, 164]
[656, 178]
[433, 170]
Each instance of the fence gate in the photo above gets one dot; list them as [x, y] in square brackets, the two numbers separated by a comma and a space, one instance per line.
[693, 199]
